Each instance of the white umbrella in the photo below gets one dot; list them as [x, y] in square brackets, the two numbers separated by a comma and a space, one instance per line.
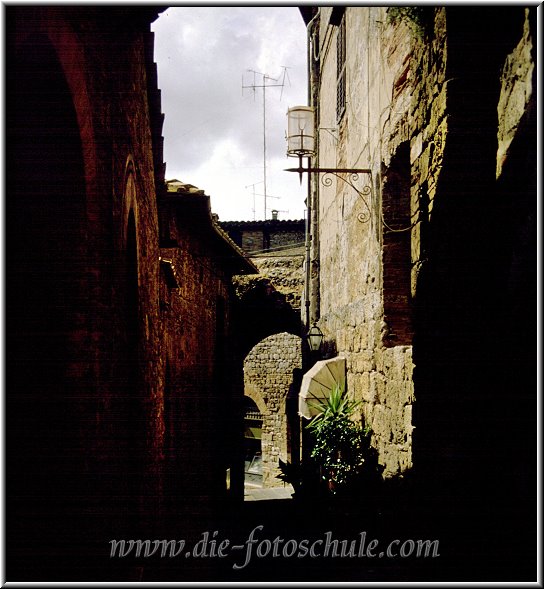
[318, 382]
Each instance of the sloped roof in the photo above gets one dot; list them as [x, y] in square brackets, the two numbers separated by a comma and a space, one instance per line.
[182, 188]
[258, 224]
[195, 201]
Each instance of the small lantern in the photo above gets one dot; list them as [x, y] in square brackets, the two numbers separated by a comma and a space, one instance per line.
[315, 337]
[300, 131]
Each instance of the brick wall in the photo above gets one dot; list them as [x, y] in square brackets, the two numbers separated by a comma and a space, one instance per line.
[88, 430]
[121, 383]
[203, 406]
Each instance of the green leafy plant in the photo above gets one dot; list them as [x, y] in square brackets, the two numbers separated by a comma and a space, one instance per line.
[303, 477]
[416, 17]
[290, 474]
[341, 446]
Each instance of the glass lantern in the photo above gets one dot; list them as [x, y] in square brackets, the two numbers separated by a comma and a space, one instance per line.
[300, 131]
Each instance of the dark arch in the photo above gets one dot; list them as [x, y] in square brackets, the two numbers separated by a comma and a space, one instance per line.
[128, 415]
[263, 311]
[47, 385]
[45, 209]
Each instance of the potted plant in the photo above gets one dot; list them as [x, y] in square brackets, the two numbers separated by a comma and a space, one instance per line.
[341, 446]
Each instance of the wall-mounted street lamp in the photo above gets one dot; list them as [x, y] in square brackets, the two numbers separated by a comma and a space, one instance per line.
[314, 338]
[301, 143]
[300, 131]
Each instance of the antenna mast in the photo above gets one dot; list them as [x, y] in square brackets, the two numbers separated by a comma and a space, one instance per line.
[264, 86]
[253, 186]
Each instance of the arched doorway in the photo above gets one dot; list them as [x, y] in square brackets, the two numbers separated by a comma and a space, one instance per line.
[270, 370]
[253, 423]
[132, 422]
[47, 382]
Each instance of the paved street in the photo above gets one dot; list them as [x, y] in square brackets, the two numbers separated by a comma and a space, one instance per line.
[253, 493]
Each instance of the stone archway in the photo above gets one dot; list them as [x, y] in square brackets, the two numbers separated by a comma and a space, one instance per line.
[256, 395]
[269, 370]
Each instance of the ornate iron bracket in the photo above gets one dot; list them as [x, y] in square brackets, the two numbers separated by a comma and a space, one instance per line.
[349, 176]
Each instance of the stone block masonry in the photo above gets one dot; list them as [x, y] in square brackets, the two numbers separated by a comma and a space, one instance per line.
[269, 374]
[284, 272]
[365, 268]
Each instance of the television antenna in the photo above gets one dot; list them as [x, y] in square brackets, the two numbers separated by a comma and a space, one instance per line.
[267, 82]
[252, 186]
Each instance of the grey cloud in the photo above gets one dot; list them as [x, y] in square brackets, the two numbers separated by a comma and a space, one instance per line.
[202, 55]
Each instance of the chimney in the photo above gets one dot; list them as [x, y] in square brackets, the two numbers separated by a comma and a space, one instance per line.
[274, 215]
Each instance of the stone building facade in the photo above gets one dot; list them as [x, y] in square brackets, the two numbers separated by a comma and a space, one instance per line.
[265, 236]
[363, 293]
[420, 274]
[273, 354]
[270, 375]
[117, 357]
[203, 377]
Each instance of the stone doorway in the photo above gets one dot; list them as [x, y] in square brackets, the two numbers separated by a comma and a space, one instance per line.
[269, 374]
[253, 424]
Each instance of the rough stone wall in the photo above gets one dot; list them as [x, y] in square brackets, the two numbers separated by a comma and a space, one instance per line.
[285, 273]
[516, 91]
[460, 93]
[268, 375]
[470, 116]
[431, 120]
[270, 300]
[269, 365]
[351, 277]
[430, 128]
[252, 240]
[279, 238]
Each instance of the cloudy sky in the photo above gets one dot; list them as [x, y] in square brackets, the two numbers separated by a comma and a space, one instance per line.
[213, 128]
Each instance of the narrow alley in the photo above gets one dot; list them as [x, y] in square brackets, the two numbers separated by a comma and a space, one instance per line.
[348, 395]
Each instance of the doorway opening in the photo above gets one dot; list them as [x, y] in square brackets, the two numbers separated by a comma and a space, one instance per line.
[253, 424]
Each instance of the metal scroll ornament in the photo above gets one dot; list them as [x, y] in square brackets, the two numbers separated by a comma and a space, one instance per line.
[352, 179]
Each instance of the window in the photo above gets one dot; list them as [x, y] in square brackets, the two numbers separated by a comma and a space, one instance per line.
[341, 70]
